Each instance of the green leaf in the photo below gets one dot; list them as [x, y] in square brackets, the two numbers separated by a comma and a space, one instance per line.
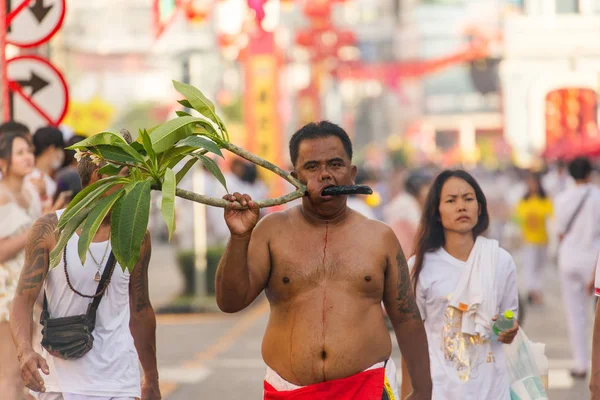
[184, 170]
[87, 196]
[203, 143]
[185, 103]
[182, 114]
[110, 170]
[129, 223]
[67, 232]
[148, 145]
[93, 221]
[171, 132]
[138, 146]
[114, 153]
[173, 153]
[107, 138]
[199, 102]
[212, 167]
[168, 200]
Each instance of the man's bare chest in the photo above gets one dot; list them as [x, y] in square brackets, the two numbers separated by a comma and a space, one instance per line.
[301, 266]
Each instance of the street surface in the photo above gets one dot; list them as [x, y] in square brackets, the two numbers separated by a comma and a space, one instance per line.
[217, 356]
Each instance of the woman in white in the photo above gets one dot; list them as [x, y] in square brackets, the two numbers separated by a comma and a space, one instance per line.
[19, 208]
[462, 282]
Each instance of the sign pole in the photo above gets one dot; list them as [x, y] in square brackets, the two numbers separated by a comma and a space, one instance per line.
[5, 92]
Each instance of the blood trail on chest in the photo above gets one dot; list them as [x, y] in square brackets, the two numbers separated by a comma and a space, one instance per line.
[324, 320]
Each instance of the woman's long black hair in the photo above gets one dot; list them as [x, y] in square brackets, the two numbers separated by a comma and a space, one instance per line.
[540, 192]
[431, 231]
[6, 146]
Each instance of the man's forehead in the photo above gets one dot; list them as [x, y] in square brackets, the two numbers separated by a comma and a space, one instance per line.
[321, 148]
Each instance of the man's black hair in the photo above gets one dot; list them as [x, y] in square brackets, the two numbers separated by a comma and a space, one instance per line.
[318, 130]
[580, 168]
[13, 127]
[46, 137]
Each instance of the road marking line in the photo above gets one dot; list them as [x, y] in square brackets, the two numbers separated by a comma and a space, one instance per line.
[188, 319]
[560, 379]
[238, 363]
[230, 337]
[220, 346]
[166, 388]
[184, 375]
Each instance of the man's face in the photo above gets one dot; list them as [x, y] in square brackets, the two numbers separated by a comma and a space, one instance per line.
[321, 163]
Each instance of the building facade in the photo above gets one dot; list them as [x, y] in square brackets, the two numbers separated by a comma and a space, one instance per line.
[550, 75]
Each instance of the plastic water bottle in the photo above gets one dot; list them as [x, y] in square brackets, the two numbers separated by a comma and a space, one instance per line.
[504, 322]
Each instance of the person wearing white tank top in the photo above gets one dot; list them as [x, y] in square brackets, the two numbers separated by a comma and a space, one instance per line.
[125, 328]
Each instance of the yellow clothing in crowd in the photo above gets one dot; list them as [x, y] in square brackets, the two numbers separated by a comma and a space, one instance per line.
[532, 214]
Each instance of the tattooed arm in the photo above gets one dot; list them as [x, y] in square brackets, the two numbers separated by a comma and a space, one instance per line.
[142, 322]
[41, 239]
[401, 306]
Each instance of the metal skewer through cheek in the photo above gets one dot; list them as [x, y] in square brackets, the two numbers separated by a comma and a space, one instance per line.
[346, 190]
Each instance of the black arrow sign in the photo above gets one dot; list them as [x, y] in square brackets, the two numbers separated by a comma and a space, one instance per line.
[35, 83]
[39, 10]
[8, 10]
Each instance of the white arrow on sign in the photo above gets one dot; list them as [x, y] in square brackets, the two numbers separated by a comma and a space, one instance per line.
[38, 92]
[33, 22]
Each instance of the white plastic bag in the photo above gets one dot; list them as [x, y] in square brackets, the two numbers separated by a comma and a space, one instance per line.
[527, 368]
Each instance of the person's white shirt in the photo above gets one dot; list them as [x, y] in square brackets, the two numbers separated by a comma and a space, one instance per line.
[360, 206]
[462, 368]
[581, 245]
[111, 368]
[51, 186]
[402, 207]
[555, 182]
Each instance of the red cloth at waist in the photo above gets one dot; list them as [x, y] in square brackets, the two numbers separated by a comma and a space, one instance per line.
[366, 385]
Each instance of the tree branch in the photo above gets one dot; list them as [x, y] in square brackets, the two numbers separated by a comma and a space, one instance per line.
[263, 163]
[212, 201]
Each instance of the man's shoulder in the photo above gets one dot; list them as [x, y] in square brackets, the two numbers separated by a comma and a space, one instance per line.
[378, 231]
[274, 219]
[44, 229]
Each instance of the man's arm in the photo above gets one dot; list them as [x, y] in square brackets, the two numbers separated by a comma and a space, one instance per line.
[401, 306]
[41, 239]
[243, 271]
[142, 322]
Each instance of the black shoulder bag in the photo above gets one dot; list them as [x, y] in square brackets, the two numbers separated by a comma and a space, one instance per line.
[71, 337]
[574, 216]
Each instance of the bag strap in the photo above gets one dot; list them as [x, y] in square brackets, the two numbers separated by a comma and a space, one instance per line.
[576, 213]
[104, 281]
[102, 286]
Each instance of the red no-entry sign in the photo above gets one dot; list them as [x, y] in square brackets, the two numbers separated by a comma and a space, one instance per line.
[30, 23]
[38, 92]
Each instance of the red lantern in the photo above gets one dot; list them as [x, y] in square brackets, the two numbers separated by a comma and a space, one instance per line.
[197, 11]
[318, 9]
[225, 40]
[346, 38]
[305, 38]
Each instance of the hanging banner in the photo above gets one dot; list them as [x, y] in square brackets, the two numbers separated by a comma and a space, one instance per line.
[261, 106]
[308, 105]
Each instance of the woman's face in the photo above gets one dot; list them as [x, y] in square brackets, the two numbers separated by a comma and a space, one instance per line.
[532, 184]
[459, 210]
[22, 161]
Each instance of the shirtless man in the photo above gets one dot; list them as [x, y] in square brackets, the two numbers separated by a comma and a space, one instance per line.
[325, 270]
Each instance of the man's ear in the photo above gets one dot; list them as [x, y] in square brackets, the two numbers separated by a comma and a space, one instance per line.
[353, 171]
[294, 174]
[95, 176]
